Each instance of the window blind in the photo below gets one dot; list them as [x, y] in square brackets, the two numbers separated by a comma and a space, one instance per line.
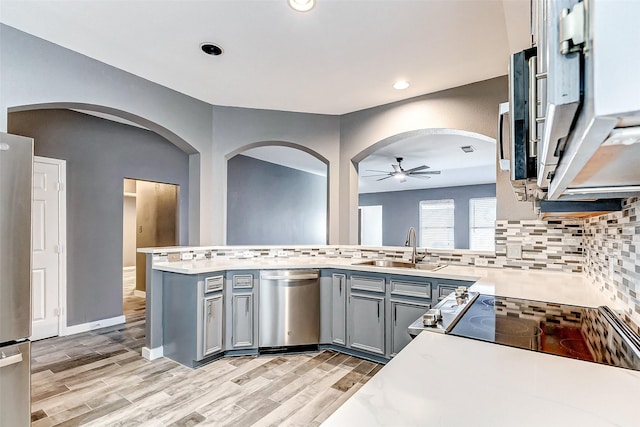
[437, 224]
[482, 220]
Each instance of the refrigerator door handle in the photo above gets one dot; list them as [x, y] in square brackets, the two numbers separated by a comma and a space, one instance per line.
[10, 360]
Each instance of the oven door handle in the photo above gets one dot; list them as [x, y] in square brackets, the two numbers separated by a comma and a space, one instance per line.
[503, 111]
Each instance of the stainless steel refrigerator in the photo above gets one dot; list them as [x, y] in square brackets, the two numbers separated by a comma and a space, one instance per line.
[16, 170]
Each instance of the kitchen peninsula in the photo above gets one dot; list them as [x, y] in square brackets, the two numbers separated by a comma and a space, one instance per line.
[472, 382]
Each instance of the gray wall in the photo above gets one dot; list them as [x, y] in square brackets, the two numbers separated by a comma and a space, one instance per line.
[99, 155]
[273, 204]
[237, 129]
[400, 210]
[35, 72]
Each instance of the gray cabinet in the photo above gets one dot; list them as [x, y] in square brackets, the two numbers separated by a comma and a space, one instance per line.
[241, 312]
[366, 323]
[193, 320]
[212, 330]
[403, 313]
[339, 309]
[242, 335]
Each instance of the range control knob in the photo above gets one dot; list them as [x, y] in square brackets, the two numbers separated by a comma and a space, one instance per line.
[461, 291]
[431, 317]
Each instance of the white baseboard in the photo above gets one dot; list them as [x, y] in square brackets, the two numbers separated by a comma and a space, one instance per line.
[152, 354]
[141, 294]
[85, 327]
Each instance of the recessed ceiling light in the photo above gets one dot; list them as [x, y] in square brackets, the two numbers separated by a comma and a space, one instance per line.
[401, 84]
[302, 5]
[211, 49]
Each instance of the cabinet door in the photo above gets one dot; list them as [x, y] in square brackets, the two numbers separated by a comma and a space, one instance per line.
[242, 321]
[366, 323]
[402, 315]
[212, 331]
[339, 315]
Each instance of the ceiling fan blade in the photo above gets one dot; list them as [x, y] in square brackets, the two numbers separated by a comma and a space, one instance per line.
[396, 168]
[426, 173]
[420, 176]
[373, 170]
[373, 176]
[386, 177]
[419, 168]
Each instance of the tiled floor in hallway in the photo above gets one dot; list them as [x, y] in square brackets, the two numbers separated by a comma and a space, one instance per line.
[98, 378]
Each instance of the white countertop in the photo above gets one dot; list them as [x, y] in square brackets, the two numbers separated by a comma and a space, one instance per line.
[443, 380]
[565, 288]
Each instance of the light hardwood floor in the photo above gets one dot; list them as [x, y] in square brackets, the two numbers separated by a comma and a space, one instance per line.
[98, 378]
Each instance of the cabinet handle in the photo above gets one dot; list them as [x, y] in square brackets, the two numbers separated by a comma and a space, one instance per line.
[209, 309]
[246, 305]
[395, 314]
[378, 309]
[340, 283]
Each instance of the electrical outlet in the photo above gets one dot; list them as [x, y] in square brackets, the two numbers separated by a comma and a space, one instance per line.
[282, 253]
[357, 255]
[514, 251]
[186, 256]
[481, 262]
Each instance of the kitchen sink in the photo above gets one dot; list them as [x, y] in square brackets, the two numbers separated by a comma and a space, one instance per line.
[402, 264]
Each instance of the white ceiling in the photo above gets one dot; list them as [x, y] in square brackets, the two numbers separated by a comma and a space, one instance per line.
[440, 150]
[289, 157]
[342, 56]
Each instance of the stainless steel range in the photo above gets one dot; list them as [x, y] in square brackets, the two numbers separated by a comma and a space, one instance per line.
[590, 334]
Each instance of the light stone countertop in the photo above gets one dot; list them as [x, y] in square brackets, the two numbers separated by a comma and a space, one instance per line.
[560, 287]
[443, 380]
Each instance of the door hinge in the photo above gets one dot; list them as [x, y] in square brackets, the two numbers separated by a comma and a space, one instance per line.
[572, 29]
[56, 312]
[57, 249]
[59, 186]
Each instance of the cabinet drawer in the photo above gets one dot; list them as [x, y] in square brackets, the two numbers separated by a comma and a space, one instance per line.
[374, 284]
[242, 281]
[214, 283]
[411, 289]
[444, 290]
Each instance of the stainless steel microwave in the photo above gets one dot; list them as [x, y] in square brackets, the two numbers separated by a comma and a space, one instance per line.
[574, 103]
[588, 90]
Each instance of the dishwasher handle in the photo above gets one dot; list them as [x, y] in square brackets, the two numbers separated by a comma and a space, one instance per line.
[291, 277]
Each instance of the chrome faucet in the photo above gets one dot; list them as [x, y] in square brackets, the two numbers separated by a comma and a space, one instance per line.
[412, 232]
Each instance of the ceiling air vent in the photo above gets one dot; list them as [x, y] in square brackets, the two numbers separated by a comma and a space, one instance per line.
[467, 148]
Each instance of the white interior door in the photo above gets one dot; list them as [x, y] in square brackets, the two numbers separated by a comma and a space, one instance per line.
[46, 247]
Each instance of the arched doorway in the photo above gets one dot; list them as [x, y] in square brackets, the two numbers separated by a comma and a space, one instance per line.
[410, 176]
[277, 194]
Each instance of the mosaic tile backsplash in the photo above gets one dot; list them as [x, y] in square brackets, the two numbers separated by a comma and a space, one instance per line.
[606, 248]
[612, 256]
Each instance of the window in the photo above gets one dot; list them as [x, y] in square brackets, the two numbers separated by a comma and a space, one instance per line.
[482, 220]
[437, 224]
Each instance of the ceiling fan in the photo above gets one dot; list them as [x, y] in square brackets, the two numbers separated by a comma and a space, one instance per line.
[401, 174]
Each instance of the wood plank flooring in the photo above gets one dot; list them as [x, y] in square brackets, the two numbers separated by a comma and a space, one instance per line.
[98, 378]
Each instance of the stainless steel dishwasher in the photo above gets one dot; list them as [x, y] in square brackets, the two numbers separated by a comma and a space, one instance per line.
[289, 308]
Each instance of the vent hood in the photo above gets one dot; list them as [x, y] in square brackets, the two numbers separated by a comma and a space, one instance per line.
[573, 209]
